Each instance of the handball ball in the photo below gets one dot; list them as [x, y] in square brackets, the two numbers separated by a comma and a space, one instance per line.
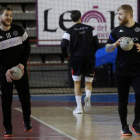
[16, 73]
[126, 44]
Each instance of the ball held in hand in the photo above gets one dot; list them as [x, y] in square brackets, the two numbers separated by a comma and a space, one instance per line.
[126, 44]
[16, 73]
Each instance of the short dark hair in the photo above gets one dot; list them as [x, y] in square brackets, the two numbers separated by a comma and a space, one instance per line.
[4, 8]
[75, 15]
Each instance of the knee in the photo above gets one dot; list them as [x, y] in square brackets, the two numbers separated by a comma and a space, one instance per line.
[6, 98]
[123, 102]
[77, 82]
[88, 83]
[24, 99]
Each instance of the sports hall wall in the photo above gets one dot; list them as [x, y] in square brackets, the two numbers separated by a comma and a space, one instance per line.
[45, 22]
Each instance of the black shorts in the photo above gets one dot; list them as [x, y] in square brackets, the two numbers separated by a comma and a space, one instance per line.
[83, 65]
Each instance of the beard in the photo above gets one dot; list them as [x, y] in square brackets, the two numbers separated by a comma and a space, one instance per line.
[5, 24]
[124, 21]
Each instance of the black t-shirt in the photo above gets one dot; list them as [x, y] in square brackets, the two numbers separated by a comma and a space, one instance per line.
[127, 62]
[82, 40]
[14, 48]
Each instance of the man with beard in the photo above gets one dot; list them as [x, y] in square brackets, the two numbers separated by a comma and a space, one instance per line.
[127, 66]
[14, 51]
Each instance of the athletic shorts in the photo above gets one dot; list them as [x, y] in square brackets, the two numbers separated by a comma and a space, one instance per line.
[83, 65]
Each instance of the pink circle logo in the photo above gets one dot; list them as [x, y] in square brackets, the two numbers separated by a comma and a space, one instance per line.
[93, 14]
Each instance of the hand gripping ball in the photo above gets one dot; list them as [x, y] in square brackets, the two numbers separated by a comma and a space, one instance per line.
[16, 73]
[126, 44]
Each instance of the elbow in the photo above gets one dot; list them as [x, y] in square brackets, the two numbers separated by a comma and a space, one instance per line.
[106, 49]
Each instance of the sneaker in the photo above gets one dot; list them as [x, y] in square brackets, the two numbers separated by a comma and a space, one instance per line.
[126, 132]
[136, 128]
[8, 133]
[87, 107]
[27, 127]
[78, 110]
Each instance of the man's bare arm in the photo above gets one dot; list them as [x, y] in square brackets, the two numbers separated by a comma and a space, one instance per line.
[110, 47]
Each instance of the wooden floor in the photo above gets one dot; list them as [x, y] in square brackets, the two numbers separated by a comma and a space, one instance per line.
[54, 120]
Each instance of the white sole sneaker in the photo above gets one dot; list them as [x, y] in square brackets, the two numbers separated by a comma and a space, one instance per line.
[77, 111]
[87, 107]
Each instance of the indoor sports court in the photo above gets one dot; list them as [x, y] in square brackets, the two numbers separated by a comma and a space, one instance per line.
[50, 75]
[52, 119]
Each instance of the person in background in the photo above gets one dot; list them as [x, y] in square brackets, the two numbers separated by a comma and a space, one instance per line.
[83, 42]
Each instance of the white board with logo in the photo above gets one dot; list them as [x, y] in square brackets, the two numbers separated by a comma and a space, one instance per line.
[53, 17]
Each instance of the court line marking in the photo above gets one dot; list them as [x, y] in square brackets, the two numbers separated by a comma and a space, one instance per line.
[96, 115]
[49, 125]
[68, 108]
